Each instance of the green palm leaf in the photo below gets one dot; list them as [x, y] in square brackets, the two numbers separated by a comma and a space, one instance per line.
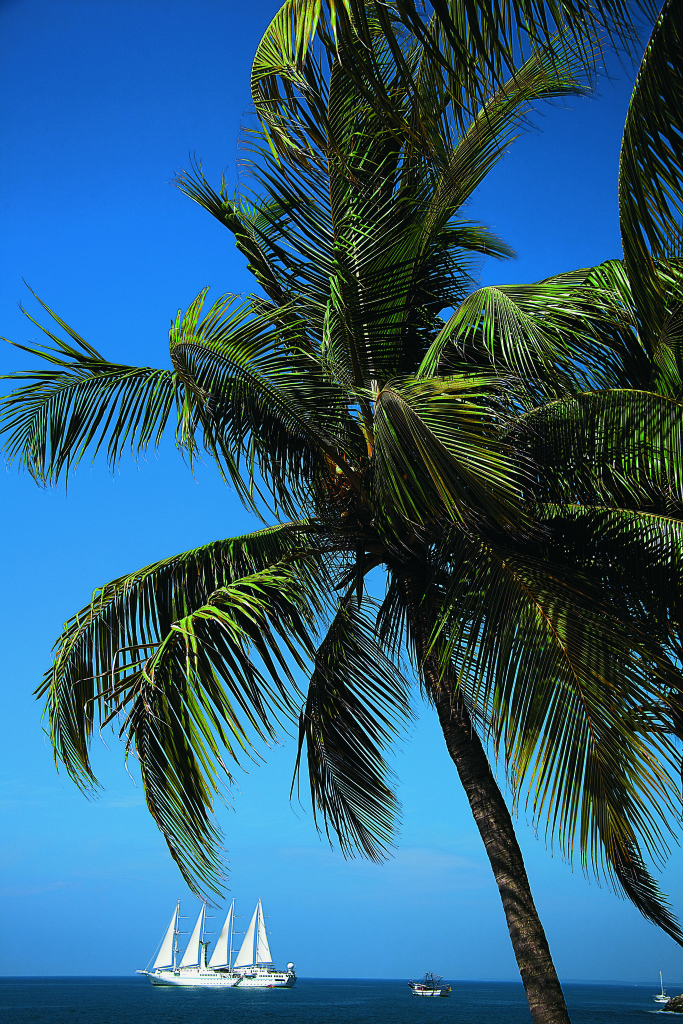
[356, 703]
[84, 402]
[650, 183]
[198, 655]
[500, 120]
[572, 693]
[623, 444]
[113, 636]
[470, 50]
[396, 260]
[268, 404]
[439, 452]
[544, 333]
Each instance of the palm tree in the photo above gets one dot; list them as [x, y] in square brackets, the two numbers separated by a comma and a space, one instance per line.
[496, 465]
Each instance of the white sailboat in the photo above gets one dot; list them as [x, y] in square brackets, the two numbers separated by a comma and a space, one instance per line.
[661, 997]
[250, 970]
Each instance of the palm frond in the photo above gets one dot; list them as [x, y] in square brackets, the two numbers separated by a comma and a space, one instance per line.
[83, 402]
[545, 334]
[576, 698]
[547, 74]
[229, 213]
[637, 554]
[440, 452]
[267, 404]
[197, 653]
[129, 616]
[620, 444]
[396, 260]
[469, 48]
[356, 704]
[650, 176]
[611, 302]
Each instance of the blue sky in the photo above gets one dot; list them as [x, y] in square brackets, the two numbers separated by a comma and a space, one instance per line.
[101, 104]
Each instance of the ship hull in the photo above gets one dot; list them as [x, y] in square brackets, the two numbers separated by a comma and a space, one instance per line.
[216, 979]
[193, 979]
[267, 979]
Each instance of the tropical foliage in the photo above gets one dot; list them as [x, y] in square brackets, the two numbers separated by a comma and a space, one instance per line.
[513, 467]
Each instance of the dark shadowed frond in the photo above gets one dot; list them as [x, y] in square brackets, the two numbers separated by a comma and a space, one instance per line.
[638, 885]
[637, 554]
[356, 705]
[623, 444]
[611, 303]
[228, 212]
[575, 697]
[647, 340]
[651, 169]
[267, 405]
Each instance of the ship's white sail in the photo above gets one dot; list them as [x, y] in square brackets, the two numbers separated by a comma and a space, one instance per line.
[221, 954]
[245, 957]
[165, 956]
[191, 954]
[262, 948]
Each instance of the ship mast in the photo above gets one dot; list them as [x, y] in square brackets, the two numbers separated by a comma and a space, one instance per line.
[204, 944]
[177, 933]
[232, 932]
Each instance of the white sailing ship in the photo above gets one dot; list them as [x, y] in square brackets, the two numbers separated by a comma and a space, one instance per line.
[252, 967]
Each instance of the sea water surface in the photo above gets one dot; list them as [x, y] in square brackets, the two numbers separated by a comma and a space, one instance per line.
[311, 1001]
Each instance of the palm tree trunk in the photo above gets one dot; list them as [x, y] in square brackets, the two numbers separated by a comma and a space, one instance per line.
[541, 984]
[532, 952]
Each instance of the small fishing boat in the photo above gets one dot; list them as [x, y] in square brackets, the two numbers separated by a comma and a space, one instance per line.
[430, 985]
[661, 996]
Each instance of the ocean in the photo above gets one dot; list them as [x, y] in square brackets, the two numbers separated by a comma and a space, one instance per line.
[311, 1001]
